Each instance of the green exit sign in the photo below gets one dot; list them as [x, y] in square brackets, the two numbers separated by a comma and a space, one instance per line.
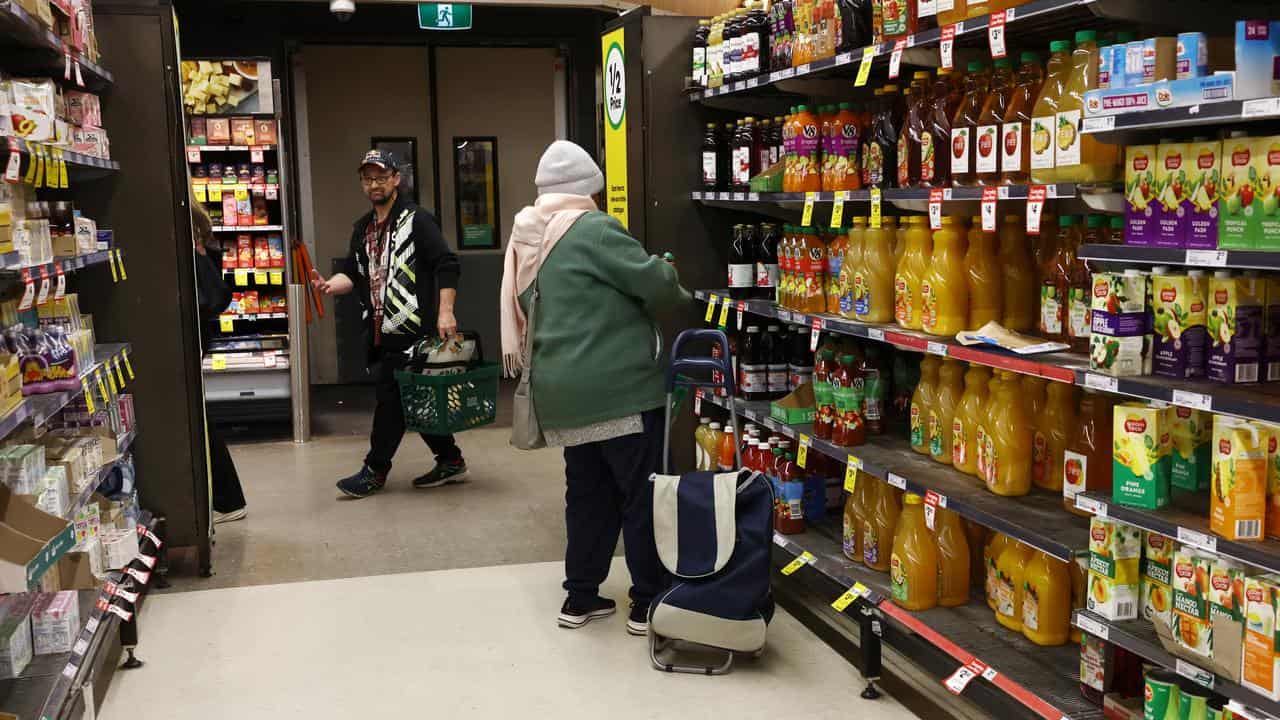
[444, 16]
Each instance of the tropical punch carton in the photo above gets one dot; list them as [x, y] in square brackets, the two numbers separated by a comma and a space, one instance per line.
[1157, 577]
[1192, 628]
[1179, 315]
[1191, 437]
[1238, 498]
[1140, 191]
[1205, 174]
[1239, 204]
[1235, 328]
[1260, 667]
[1114, 552]
[1267, 150]
[1141, 446]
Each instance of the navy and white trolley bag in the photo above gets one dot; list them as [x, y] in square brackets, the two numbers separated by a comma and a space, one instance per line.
[713, 532]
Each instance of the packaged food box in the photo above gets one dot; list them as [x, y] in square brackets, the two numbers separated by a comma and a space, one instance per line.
[1239, 201]
[264, 131]
[83, 108]
[1273, 480]
[1192, 56]
[219, 130]
[1157, 577]
[1235, 327]
[1140, 192]
[229, 258]
[15, 633]
[1260, 667]
[1120, 339]
[1179, 314]
[1191, 436]
[1267, 152]
[33, 111]
[1192, 628]
[229, 216]
[237, 304]
[1271, 331]
[1226, 588]
[243, 206]
[88, 522]
[1159, 59]
[55, 622]
[244, 250]
[261, 253]
[1257, 44]
[1114, 553]
[1140, 458]
[1238, 498]
[275, 244]
[1204, 174]
[199, 134]
[249, 303]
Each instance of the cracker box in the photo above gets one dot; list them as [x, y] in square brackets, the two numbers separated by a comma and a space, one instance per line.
[15, 633]
[264, 131]
[1191, 625]
[242, 131]
[1191, 440]
[1178, 309]
[244, 251]
[1260, 666]
[1157, 576]
[55, 622]
[1140, 190]
[1235, 327]
[219, 130]
[261, 253]
[1239, 201]
[1114, 553]
[1238, 497]
[1140, 455]
[1204, 175]
[276, 245]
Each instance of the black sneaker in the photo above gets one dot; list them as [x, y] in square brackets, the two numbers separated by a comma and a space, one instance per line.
[576, 613]
[638, 620]
[445, 473]
[363, 483]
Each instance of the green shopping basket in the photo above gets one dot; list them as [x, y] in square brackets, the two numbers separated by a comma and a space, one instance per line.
[446, 404]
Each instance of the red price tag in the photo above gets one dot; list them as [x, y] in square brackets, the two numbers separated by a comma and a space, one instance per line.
[960, 679]
[1035, 205]
[28, 294]
[989, 195]
[697, 402]
[995, 34]
[193, 153]
[255, 154]
[60, 288]
[895, 58]
[742, 310]
[14, 168]
[935, 209]
[813, 336]
[43, 296]
[66, 65]
[946, 45]
[932, 501]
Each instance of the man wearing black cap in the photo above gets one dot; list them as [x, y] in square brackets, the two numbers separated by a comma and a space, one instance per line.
[405, 276]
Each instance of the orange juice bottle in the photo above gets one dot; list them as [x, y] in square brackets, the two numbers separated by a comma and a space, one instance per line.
[1079, 579]
[855, 515]
[846, 283]
[808, 169]
[907, 299]
[922, 403]
[1008, 444]
[1020, 286]
[964, 423]
[951, 12]
[986, 422]
[1015, 131]
[913, 568]
[878, 527]
[996, 544]
[1010, 572]
[953, 559]
[944, 290]
[984, 278]
[1046, 600]
[1044, 116]
[1079, 158]
[1053, 431]
[942, 414]
[1033, 396]
[873, 299]
[837, 255]
[899, 228]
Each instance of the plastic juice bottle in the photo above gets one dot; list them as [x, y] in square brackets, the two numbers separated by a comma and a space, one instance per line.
[1044, 114]
[977, 537]
[790, 517]
[1079, 158]
[942, 415]
[1053, 432]
[1009, 441]
[986, 421]
[953, 559]
[1010, 572]
[808, 170]
[851, 537]
[908, 300]
[986, 139]
[964, 126]
[837, 255]
[1079, 284]
[699, 443]
[1078, 581]
[873, 280]
[975, 8]
[849, 427]
[1020, 291]
[964, 423]
[825, 114]
[935, 140]
[1015, 132]
[944, 291]
[1046, 600]
[856, 511]
[876, 372]
[715, 38]
[877, 529]
[1033, 396]
[899, 18]
[1086, 461]
[984, 277]
[990, 557]
[824, 399]
[912, 132]
[728, 443]
[854, 240]
[714, 440]
[871, 160]
[800, 267]
[882, 150]
[913, 572]
[922, 403]
[843, 156]
[789, 148]
[1055, 283]
[815, 273]
[898, 232]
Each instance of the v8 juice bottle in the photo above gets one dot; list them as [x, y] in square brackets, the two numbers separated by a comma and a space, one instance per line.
[840, 158]
[1015, 131]
[983, 277]
[1044, 115]
[913, 571]
[1053, 429]
[953, 559]
[808, 167]
[944, 291]
[789, 151]
[908, 301]
[1086, 461]
[873, 278]
[1046, 600]
[986, 141]
[814, 265]
[965, 420]
[1078, 158]
[878, 528]
[847, 386]
[941, 416]
[965, 124]
[922, 403]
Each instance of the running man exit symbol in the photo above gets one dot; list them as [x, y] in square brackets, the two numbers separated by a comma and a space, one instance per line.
[444, 16]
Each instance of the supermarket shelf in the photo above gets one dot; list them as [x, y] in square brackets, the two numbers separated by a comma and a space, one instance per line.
[240, 362]
[42, 407]
[1139, 638]
[1004, 192]
[1037, 519]
[258, 316]
[11, 263]
[251, 280]
[1187, 520]
[1254, 259]
[1042, 681]
[122, 445]
[230, 148]
[14, 419]
[252, 187]
[248, 228]
[20, 30]
[79, 165]
[1123, 128]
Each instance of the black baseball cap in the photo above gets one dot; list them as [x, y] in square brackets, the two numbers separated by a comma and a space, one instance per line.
[382, 159]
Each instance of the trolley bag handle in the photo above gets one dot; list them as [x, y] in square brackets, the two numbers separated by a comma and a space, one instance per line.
[681, 363]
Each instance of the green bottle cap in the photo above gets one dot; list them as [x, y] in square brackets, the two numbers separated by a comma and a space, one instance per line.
[846, 106]
[975, 66]
[1117, 222]
[1060, 46]
[1003, 62]
[1084, 36]
[846, 359]
[1027, 57]
[1066, 220]
[802, 108]
[1096, 221]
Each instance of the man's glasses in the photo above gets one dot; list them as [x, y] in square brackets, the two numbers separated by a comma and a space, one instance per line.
[372, 180]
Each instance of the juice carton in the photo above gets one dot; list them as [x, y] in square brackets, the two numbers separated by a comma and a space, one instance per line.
[1191, 626]
[1260, 667]
[1114, 552]
[1238, 499]
[1191, 435]
[1173, 193]
[1140, 190]
[1267, 151]
[1226, 589]
[1257, 44]
[1273, 480]
[1193, 55]
[1132, 64]
[1119, 341]
[1271, 329]
[1181, 336]
[1204, 159]
[1159, 59]
[1157, 576]
[1235, 327]
[1239, 207]
[1140, 455]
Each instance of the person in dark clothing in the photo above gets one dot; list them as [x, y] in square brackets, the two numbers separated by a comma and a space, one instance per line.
[213, 296]
[405, 275]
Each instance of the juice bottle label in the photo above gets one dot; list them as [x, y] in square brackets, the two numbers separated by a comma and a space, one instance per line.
[927, 8]
[901, 300]
[1067, 145]
[985, 155]
[896, 17]
[766, 275]
[708, 169]
[1011, 147]
[777, 379]
[847, 160]
[990, 586]
[993, 462]
[980, 448]
[870, 545]
[873, 396]
[861, 296]
[1052, 309]
[959, 150]
[1005, 594]
[1039, 457]
[904, 162]
[1030, 608]
[849, 538]
[917, 426]
[808, 153]
[928, 306]
[750, 57]
[848, 400]
[742, 275]
[958, 449]
[935, 434]
[1078, 313]
[1075, 473]
[928, 161]
[898, 578]
[754, 378]
[874, 159]
[1043, 129]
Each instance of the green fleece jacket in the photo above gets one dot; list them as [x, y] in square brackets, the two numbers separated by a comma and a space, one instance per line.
[597, 351]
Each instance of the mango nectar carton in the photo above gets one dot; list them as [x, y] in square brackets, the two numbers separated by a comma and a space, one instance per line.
[1114, 553]
[1260, 664]
[1157, 576]
[1141, 446]
[1192, 628]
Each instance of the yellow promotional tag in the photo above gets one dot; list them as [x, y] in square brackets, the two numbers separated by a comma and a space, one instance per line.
[120, 261]
[837, 209]
[260, 277]
[115, 363]
[242, 193]
[128, 366]
[711, 308]
[32, 160]
[864, 68]
[39, 163]
[111, 379]
[805, 558]
[277, 277]
[242, 277]
[102, 386]
[219, 361]
[875, 207]
[724, 313]
[851, 474]
[62, 172]
[809, 199]
[226, 323]
[88, 396]
[845, 600]
[215, 192]
[111, 260]
[198, 190]
[802, 453]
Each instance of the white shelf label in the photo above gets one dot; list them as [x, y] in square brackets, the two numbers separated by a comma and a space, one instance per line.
[739, 196]
[960, 679]
[1089, 505]
[802, 69]
[753, 82]
[92, 625]
[1260, 107]
[1195, 400]
[1098, 124]
[1097, 381]
[785, 73]
[80, 646]
[1198, 539]
[697, 196]
[936, 348]
[897, 481]
[1193, 673]
[1209, 258]
[1093, 627]
[844, 58]
[779, 540]
[875, 334]
[753, 196]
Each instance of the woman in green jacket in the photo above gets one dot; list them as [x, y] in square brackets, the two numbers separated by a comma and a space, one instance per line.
[597, 373]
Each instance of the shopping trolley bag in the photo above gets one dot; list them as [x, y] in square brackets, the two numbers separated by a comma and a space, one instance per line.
[713, 533]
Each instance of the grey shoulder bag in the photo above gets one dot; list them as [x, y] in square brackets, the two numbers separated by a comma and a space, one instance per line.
[526, 433]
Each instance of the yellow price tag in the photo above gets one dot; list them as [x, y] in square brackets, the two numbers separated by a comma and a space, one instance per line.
[277, 277]
[804, 558]
[875, 207]
[115, 363]
[226, 323]
[33, 157]
[111, 380]
[845, 600]
[120, 261]
[711, 308]
[102, 386]
[724, 313]
[851, 474]
[260, 277]
[864, 68]
[242, 193]
[128, 366]
[39, 164]
[219, 361]
[837, 209]
[198, 190]
[242, 277]
[88, 396]
[802, 453]
[215, 192]
[111, 260]
[809, 199]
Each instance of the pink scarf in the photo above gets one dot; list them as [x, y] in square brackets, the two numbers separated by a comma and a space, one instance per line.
[535, 232]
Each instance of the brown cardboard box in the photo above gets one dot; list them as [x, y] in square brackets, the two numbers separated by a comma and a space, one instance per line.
[1228, 646]
[242, 131]
[31, 541]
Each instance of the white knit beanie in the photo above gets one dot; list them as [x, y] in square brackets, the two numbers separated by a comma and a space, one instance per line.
[567, 168]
